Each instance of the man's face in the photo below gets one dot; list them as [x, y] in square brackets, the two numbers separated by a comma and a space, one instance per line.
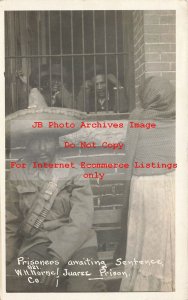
[55, 83]
[42, 148]
[55, 91]
[100, 86]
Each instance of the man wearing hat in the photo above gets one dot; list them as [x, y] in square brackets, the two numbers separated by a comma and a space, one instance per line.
[51, 245]
[49, 85]
[101, 93]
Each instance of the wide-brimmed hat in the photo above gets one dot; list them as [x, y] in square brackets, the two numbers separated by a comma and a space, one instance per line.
[43, 73]
[19, 124]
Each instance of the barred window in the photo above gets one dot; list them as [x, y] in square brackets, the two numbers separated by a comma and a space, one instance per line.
[76, 59]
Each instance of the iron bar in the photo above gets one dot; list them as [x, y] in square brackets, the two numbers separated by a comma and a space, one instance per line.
[61, 61]
[67, 55]
[117, 67]
[50, 61]
[83, 60]
[72, 51]
[94, 60]
[105, 57]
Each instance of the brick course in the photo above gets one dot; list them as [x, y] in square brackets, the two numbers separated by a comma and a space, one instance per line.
[154, 45]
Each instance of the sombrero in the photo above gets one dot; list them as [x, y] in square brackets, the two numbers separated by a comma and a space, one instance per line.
[44, 73]
[55, 121]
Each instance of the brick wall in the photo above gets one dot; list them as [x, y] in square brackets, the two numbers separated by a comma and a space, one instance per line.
[154, 45]
[139, 48]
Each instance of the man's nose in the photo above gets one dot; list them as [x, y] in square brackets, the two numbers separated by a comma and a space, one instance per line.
[55, 85]
[42, 145]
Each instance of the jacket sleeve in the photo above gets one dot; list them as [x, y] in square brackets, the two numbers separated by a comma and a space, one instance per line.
[80, 99]
[69, 237]
[13, 219]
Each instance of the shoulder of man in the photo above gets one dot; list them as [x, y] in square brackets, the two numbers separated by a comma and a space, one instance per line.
[19, 173]
[73, 173]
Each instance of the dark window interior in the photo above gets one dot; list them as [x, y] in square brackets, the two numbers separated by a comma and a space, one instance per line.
[82, 43]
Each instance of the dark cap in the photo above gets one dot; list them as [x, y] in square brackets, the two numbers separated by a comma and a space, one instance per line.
[44, 72]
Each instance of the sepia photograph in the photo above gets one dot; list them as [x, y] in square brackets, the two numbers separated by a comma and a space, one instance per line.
[90, 130]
